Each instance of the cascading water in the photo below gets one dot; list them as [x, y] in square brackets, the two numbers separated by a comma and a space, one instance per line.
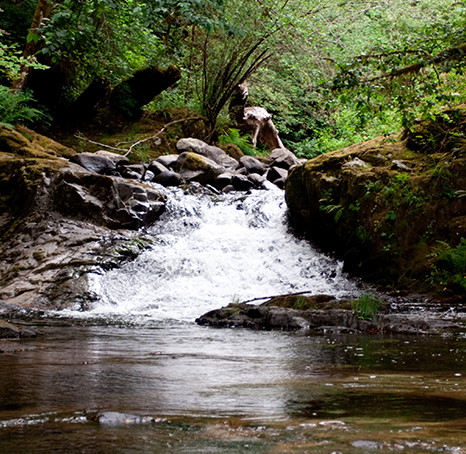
[210, 250]
[139, 376]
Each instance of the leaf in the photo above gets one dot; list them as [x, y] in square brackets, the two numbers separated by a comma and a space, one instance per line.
[32, 36]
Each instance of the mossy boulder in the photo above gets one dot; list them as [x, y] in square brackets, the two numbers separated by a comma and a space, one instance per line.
[384, 205]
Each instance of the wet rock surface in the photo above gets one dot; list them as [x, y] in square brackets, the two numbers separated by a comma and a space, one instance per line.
[197, 162]
[322, 314]
[60, 222]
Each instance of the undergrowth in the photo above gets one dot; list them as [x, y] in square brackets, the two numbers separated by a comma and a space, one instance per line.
[366, 306]
[450, 264]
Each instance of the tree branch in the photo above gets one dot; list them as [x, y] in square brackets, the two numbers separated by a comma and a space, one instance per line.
[276, 296]
[138, 142]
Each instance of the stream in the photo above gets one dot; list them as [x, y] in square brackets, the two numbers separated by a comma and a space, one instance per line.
[135, 374]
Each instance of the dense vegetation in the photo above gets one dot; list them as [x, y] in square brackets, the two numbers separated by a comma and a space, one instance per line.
[331, 72]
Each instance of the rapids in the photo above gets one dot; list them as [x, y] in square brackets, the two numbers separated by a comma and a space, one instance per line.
[210, 250]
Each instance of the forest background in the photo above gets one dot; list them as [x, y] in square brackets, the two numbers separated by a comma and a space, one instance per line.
[331, 72]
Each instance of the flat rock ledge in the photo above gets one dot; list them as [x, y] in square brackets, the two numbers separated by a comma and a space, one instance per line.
[329, 320]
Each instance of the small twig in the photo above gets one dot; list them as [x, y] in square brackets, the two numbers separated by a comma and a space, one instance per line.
[276, 296]
[81, 137]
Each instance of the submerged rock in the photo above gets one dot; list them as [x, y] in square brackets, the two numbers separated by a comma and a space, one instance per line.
[10, 331]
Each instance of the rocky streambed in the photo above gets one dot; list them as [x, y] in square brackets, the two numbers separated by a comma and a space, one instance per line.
[392, 209]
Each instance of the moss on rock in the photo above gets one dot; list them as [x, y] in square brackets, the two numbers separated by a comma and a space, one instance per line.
[384, 204]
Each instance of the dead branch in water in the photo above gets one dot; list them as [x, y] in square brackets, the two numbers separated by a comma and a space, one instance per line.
[276, 296]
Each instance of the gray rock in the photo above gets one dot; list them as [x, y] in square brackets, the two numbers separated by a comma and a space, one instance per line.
[216, 154]
[168, 160]
[242, 183]
[223, 180]
[131, 174]
[280, 183]
[107, 201]
[93, 162]
[195, 167]
[168, 178]
[117, 159]
[275, 173]
[229, 188]
[157, 167]
[253, 165]
[10, 331]
[256, 179]
[281, 157]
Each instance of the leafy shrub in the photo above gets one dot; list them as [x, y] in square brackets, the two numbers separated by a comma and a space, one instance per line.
[450, 266]
[366, 306]
[17, 108]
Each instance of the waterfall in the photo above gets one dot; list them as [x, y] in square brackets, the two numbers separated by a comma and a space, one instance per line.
[209, 250]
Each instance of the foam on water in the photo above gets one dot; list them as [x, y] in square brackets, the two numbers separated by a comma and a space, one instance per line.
[210, 250]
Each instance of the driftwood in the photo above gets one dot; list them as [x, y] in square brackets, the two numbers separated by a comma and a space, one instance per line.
[255, 119]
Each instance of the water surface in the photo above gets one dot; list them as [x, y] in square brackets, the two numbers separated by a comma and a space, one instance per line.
[135, 374]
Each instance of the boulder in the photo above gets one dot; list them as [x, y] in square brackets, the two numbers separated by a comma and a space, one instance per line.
[281, 157]
[157, 167]
[276, 173]
[94, 162]
[106, 201]
[213, 153]
[194, 167]
[223, 180]
[116, 158]
[59, 223]
[168, 160]
[257, 180]
[386, 220]
[328, 317]
[253, 165]
[242, 183]
[168, 178]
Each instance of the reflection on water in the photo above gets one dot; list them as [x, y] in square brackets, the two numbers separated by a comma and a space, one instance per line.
[136, 375]
[179, 387]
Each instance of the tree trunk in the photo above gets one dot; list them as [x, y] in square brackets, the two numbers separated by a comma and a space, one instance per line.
[43, 10]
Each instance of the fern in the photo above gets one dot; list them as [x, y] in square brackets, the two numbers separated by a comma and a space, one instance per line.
[452, 263]
[242, 141]
[16, 108]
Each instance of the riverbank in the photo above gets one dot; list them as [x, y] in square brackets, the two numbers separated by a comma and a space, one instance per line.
[392, 208]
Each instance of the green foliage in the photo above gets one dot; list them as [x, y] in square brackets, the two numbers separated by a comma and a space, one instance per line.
[11, 60]
[242, 141]
[366, 306]
[17, 108]
[450, 264]
[410, 49]
[328, 205]
[302, 303]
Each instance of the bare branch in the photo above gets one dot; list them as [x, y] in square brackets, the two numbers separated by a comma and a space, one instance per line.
[276, 296]
[138, 142]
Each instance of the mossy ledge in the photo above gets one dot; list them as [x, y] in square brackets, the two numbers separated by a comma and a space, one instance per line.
[388, 205]
[59, 222]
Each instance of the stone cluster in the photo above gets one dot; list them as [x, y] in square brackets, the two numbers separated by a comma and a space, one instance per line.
[198, 162]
